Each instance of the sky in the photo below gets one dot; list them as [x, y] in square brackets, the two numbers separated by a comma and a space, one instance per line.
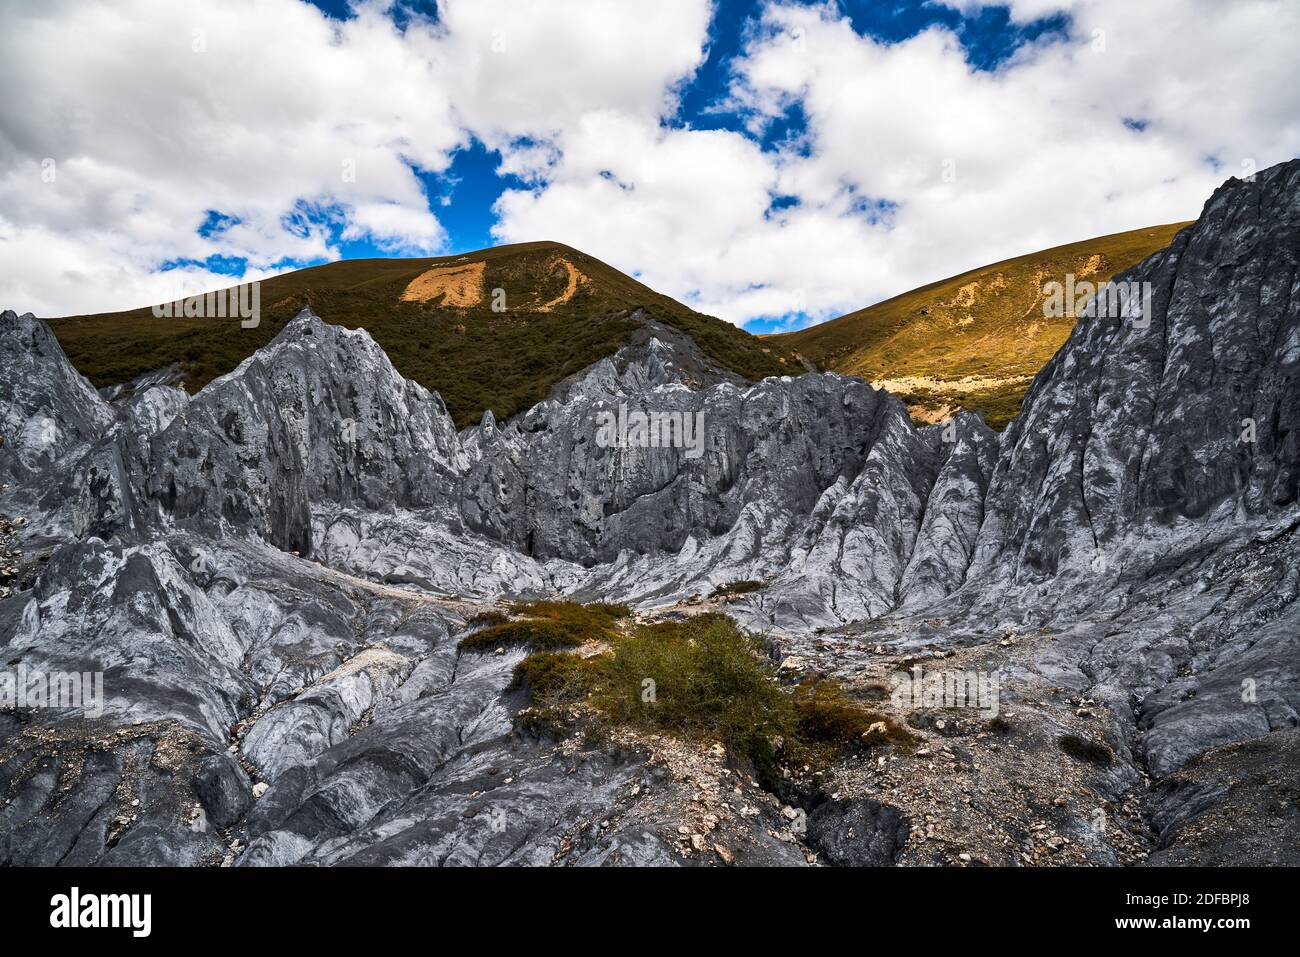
[771, 163]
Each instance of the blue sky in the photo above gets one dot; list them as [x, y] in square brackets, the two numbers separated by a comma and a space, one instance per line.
[772, 163]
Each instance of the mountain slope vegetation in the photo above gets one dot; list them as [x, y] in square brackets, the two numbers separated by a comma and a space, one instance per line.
[492, 329]
[973, 341]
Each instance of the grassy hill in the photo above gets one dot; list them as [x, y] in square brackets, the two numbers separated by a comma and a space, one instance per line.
[562, 310]
[973, 341]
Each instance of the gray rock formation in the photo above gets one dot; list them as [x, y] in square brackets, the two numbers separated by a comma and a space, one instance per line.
[272, 577]
[47, 408]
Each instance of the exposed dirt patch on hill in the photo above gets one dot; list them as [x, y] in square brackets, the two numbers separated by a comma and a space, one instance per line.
[930, 415]
[576, 279]
[968, 383]
[460, 286]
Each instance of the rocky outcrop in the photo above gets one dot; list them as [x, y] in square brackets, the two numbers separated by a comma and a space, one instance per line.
[47, 410]
[1177, 416]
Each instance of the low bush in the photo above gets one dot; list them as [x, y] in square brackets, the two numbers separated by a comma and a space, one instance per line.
[828, 716]
[554, 678]
[731, 589]
[702, 678]
[1085, 750]
[546, 625]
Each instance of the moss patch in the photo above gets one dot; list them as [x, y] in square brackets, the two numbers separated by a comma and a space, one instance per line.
[546, 625]
[729, 590]
[1085, 750]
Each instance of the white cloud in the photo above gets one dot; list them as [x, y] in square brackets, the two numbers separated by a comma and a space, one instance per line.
[283, 110]
[536, 69]
[395, 228]
[155, 112]
[1036, 153]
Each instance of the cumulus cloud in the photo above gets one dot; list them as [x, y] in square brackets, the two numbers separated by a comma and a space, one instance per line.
[125, 126]
[914, 165]
[532, 71]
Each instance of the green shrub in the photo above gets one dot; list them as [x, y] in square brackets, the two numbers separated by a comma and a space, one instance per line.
[1085, 750]
[544, 625]
[828, 716]
[554, 677]
[710, 682]
[729, 589]
[702, 680]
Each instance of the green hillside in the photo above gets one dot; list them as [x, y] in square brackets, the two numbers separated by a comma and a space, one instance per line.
[973, 341]
[559, 310]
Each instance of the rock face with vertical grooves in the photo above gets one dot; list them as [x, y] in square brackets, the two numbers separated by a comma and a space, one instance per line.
[47, 408]
[1171, 420]
[273, 576]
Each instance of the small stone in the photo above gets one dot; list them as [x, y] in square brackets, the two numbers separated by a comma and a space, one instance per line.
[726, 855]
[260, 788]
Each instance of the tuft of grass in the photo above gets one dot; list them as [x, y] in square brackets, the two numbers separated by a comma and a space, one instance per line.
[536, 633]
[1085, 750]
[547, 625]
[704, 680]
[613, 611]
[590, 622]
[554, 678]
[487, 618]
[827, 716]
[732, 589]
